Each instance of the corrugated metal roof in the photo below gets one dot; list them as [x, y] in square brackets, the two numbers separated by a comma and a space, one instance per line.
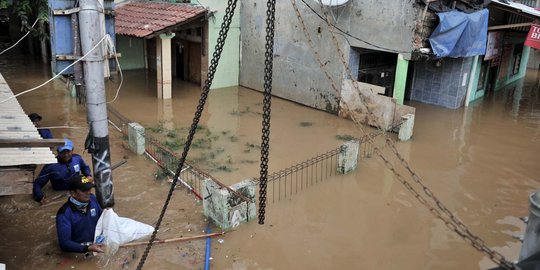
[519, 8]
[15, 124]
[146, 18]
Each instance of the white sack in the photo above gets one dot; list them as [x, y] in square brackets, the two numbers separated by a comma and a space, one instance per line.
[119, 230]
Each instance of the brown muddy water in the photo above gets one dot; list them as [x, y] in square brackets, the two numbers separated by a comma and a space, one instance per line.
[481, 161]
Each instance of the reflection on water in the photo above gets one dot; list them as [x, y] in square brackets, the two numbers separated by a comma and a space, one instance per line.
[481, 161]
[227, 143]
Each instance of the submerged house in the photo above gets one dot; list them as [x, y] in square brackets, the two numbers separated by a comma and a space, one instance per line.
[387, 47]
[169, 39]
[503, 61]
[177, 40]
[396, 50]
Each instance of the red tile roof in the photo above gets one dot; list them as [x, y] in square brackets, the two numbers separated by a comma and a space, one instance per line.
[142, 19]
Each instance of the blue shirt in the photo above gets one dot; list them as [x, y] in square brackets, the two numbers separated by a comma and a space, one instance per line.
[45, 133]
[59, 174]
[74, 227]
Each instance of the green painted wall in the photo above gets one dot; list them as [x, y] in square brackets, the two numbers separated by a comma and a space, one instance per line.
[478, 93]
[473, 80]
[522, 66]
[228, 71]
[132, 50]
[401, 79]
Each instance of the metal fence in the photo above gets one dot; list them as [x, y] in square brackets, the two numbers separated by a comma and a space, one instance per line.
[298, 177]
[282, 184]
[190, 177]
[289, 181]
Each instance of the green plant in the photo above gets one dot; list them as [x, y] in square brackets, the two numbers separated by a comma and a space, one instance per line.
[172, 134]
[173, 145]
[157, 128]
[344, 137]
[160, 174]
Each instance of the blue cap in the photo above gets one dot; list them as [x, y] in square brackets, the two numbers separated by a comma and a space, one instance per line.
[68, 145]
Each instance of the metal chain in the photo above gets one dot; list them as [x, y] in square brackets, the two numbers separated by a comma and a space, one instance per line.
[227, 19]
[265, 137]
[451, 221]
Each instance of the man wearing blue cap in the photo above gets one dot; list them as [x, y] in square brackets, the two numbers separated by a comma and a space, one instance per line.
[76, 220]
[59, 173]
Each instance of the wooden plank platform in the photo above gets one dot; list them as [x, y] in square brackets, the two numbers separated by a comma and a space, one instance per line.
[15, 125]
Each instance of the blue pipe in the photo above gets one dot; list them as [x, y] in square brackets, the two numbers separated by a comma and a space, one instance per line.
[207, 256]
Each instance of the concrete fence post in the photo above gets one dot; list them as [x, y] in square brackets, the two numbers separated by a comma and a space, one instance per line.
[531, 240]
[406, 129]
[224, 208]
[136, 138]
[348, 156]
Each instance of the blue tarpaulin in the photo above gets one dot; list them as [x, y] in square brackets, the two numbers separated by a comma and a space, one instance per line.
[460, 34]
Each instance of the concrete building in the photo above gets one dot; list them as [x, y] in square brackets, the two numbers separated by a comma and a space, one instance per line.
[385, 45]
[169, 39]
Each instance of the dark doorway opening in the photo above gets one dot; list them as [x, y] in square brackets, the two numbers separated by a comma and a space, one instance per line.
[180, 61]
[377, 68]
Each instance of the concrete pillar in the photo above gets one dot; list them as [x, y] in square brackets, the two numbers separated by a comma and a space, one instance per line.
[531, 240]
[163, 66]
[348, 156]
[136, 138]
[406, 128]
[224, 208]
[401, 79]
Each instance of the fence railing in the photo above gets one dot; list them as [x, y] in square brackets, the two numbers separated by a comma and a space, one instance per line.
[282, 184]
[168, 161]
[190, 177]
[291, 180]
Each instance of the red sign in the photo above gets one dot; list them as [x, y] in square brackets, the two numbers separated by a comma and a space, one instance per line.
[533, 38]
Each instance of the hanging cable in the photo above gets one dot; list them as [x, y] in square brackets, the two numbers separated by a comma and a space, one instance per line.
[28, 32]
[349, 35]
[57, 75]
[112, 49]
[227, 19]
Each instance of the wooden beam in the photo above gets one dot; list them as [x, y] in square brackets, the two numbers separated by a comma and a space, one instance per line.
[506, 26]
[8, 143]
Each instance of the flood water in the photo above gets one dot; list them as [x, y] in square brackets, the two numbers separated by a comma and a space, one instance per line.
[480, 161]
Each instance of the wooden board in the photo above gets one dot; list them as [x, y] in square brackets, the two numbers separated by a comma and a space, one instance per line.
[16, 182]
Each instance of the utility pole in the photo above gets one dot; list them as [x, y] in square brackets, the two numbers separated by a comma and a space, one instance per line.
[91, 34]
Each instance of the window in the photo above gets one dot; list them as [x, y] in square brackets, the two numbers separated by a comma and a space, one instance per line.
[483, 73]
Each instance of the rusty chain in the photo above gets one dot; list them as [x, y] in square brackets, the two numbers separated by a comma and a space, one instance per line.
[227, 19]
[449, 219]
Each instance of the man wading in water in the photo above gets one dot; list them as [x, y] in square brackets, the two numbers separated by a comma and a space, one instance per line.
[76, 220]
[68, 165]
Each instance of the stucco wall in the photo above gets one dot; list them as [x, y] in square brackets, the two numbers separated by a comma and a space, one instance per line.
[297, 75]
[228, 69]
[132, 50]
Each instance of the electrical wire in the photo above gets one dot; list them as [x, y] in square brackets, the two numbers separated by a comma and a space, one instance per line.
[28, 32]
[347, 34]
[57, 75]
[112, 49]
